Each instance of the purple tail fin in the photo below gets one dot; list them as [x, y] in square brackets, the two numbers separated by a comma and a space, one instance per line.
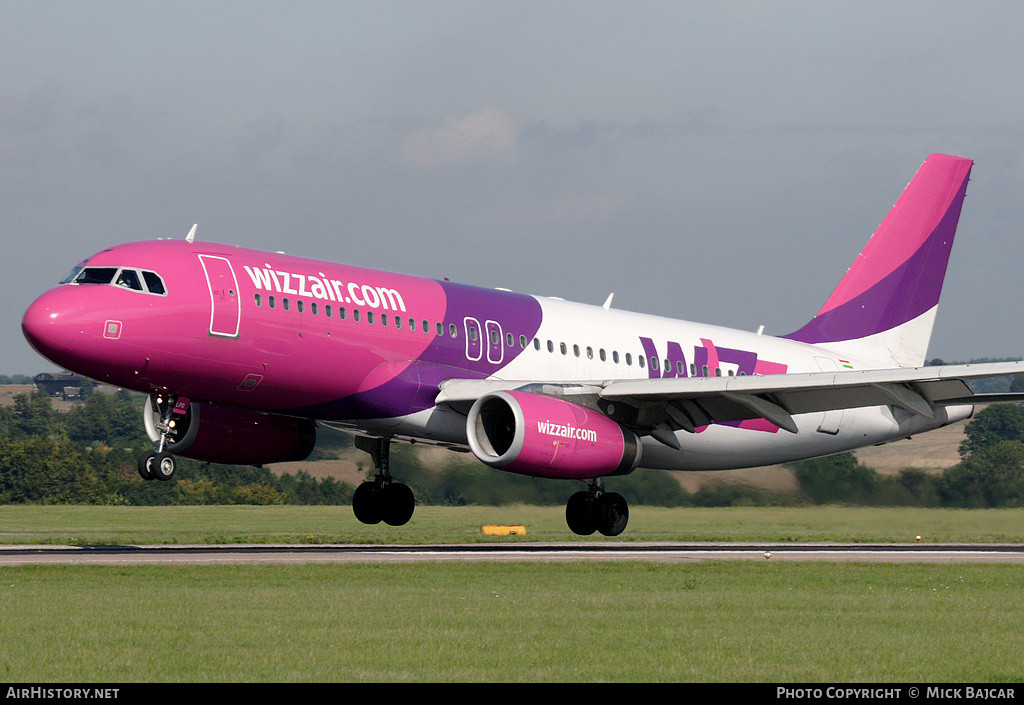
[883, 309]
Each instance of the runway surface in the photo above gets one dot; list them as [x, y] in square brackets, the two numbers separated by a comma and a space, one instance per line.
[11, 555]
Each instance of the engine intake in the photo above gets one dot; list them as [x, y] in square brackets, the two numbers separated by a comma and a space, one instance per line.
[541, 436]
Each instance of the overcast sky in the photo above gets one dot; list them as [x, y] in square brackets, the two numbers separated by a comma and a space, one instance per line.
[720, 162]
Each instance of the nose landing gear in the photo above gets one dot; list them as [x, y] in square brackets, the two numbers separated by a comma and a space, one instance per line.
[160, 464]
[155, 465]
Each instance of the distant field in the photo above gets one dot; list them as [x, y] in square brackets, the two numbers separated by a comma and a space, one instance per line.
[9, 391]
[63, 524]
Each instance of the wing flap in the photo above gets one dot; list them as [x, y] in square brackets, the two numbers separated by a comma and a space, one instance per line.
[940, 381]
[777, 398]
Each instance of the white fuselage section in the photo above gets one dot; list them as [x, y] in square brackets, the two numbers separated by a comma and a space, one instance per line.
[584, 343]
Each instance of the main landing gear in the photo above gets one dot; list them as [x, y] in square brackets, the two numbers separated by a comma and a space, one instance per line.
[596, 510]
[382, 499]
[159, 464]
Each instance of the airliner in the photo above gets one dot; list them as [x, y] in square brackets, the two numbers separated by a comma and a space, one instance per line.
[243, 353]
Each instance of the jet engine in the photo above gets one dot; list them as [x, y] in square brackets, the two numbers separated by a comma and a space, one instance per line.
[234, 436]
[542, 436]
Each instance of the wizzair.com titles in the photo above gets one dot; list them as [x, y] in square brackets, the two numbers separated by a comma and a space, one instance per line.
[326, 289]
[563, 431]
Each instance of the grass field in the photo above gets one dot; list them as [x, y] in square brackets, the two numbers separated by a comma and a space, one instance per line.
[64, 524]
[614, 621]
[754, 622]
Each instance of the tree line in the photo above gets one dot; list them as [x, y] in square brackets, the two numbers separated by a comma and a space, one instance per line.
[89, 454]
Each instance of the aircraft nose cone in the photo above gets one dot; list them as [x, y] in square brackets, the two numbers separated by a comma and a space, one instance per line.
[45, 324]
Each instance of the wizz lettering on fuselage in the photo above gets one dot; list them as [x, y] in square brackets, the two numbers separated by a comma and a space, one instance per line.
[707, 361]
[326, 289]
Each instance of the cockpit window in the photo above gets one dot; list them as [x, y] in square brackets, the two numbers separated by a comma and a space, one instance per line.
[71, 275]
[96, 275]
[126, 277]
[154, 282]
[129, 279]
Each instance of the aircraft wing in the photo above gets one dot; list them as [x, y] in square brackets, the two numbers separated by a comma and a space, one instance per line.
[671, 404]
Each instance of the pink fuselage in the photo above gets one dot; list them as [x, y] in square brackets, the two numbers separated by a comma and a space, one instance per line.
[274, 332]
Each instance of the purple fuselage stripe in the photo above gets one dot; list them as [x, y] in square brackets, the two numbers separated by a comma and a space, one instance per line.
[416, 386]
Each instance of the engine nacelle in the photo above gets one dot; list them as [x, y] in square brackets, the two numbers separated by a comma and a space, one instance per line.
[543, 436]
[233, 436]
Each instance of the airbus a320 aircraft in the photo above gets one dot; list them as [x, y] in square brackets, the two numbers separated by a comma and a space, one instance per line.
[243, 353]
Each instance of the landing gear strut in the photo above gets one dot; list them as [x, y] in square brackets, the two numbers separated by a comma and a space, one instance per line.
[159, 464]
[382, 499]
[596, 510]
